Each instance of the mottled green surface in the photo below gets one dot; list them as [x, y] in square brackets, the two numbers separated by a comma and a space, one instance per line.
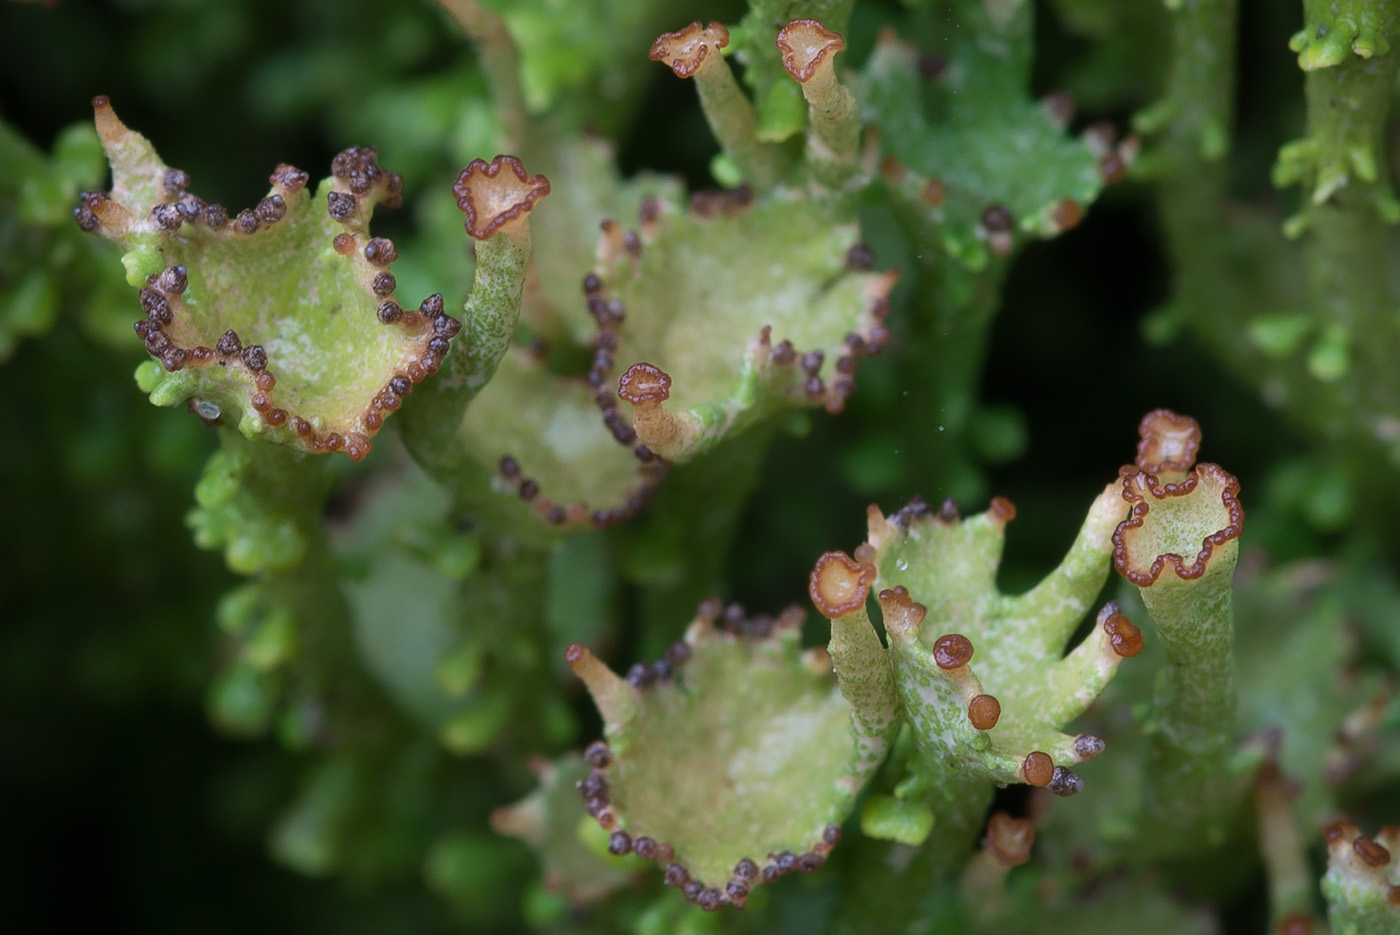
[283, 287]
[749, 754]
[552, 426]
[698, 298]
[1012, 154]
[1191, 604]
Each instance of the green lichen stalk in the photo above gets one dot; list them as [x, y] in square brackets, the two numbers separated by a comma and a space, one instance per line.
[696, 52]
[1350, 53]
[497, 198]
[1179, 547]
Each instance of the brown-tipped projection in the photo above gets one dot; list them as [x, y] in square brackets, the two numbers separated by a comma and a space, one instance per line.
[839, 584]
[1002, 510]
[644, 383]
[1009, 839]
[1299, 923]
[615, 697]
[663, 434]
[1141, 489]
[879, 530]
[1123, 635]
[687, 51]
[492, 200]
[984, 711]
[1038, 768]
[1339, 830]
[97, 211]
[1087, 746]
[807, 45]
[952, 651]
[109, 126]
[903, 616]
[1169, 442]
[1066, 215]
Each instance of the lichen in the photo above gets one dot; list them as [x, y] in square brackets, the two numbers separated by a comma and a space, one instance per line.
[282, 320]
[731, 761]
[615, 391]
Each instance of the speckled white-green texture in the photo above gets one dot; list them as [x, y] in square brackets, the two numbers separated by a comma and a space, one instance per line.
[1189, 787]
[586, 187]
[949, 566]
[867, 681]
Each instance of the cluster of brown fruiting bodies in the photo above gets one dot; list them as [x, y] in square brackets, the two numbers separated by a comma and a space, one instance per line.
[840, 584]
[162, 297]
[1363, 860]
[747, 872]
[497, 198]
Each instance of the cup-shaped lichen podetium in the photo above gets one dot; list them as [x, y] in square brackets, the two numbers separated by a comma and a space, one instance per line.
[809, 51]
[730, 762]
[498, 420]
[733, 310]
[694, 52]
[1179, 546]
[982, 677]
[497, 198]
[282, 319]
